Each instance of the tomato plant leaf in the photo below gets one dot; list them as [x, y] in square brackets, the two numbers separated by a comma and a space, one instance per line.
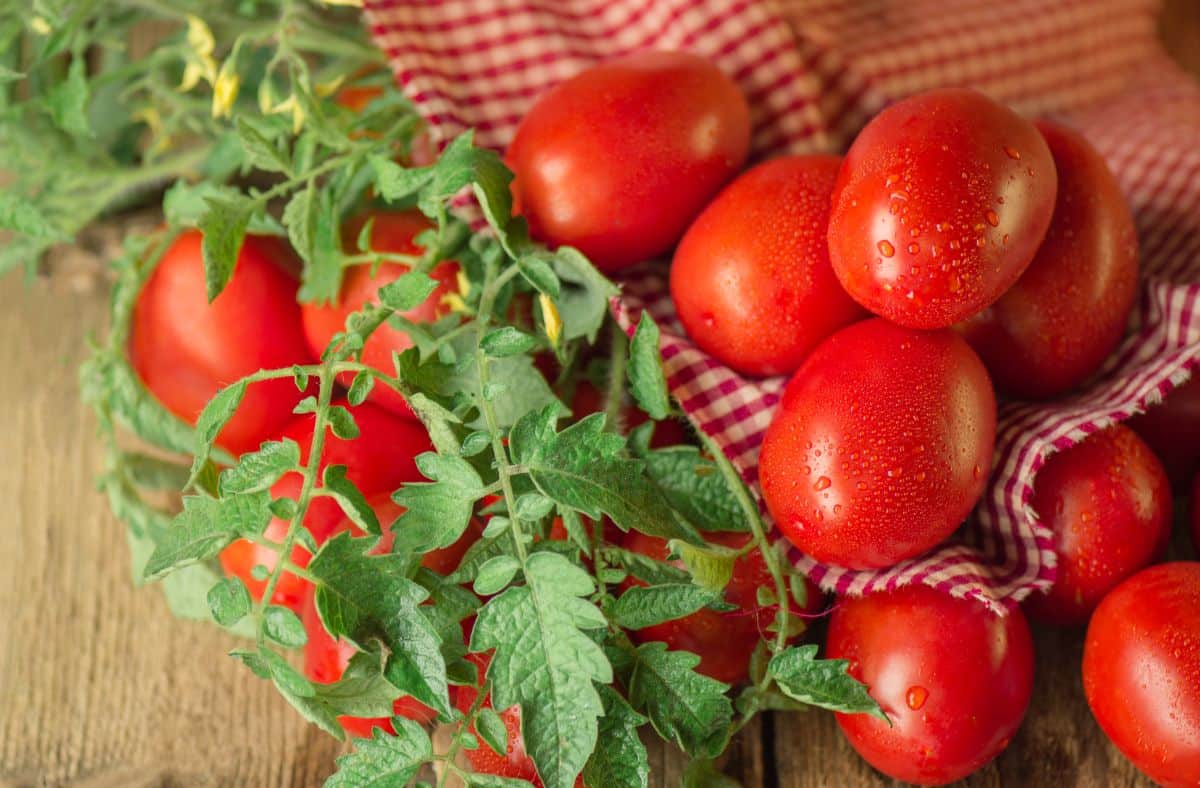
[584, 299]
[684, 706]
[299, 216]
[491, 729]
[647, 382]
[711, 566]
[282, 626]
[495, 574]
[224, 225]
[821, 682]
[703, 773]
[506, 341]
[362, 691]
[261, 146]
[258, 470]
[535, 267]
[694, 487]
[436, 513]
[229, 601]
[67, 100]
[644, 606]
[335, 484]
[643, 567]
[204, 527]
[384, 761]
[620, 759]
[407, 291]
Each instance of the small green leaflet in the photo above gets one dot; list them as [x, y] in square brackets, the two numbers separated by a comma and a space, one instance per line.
[683, 706]
[23, 217]
[260, 469]
[184, 204]
[335, 484]
[362, 691]
[204, 527]
[545, 663]
[620, 759]
[703, 773]
[384, 761]
[643, 567]
[360, 388]
[67, 100]
[583, 302]
[647, 382]
[495, 574]
[711, 566]
[537, 271]
[644, 606]
[342, 423]
[407, 291]
[283, 626]
[153, 473]
[224, 227]
[506, 341]
[694, 487]
[322, 277]
[212, 419]
[491, 729]
[299, 217]
[261, 145]
[821, 682]
[436, 513]
[229, 601]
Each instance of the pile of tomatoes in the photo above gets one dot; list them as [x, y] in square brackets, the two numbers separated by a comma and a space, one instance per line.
[956, 252]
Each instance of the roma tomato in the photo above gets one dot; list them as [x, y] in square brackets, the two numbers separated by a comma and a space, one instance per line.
[617, 160]
[392, 232]
[1108, 501]
[751, 279]
[1172, 430]
[723, 641]
[1141, 671]
[1067, 312]
[881, 445]
[185, 349]
[939, 207]
[953, 678]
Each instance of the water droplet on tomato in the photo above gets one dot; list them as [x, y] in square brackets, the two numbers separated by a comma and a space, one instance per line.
[992, 218]
[1013, 153]
[891, 180]
[916, 697]
[977, 472]
[886, 249]
[823, 483]
[709, 319]
[914, 247]
[954, 283]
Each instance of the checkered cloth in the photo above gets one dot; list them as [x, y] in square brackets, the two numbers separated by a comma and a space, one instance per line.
[814, 72]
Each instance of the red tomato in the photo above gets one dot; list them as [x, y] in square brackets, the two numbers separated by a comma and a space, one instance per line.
[953, 678]
[751, 279]
[1067, 312]
[1141, 671]
[1108, 502]
[1172, 430]
[939, 207]
[617, 160]
[588, 399]
[723, 641]
[392, 232]
[881, 445]
[378, 461]
[185, 349]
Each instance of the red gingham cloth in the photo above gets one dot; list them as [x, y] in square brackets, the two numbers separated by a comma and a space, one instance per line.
[814, 72]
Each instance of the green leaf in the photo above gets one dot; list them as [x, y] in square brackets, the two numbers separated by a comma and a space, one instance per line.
[684, 706]
[205, 527]
[822, 682]
[644, 606]
[575, 530]
[212, 420]
[384, 761]
[694, 487]
[495, 574]
[407, 291]
[261, 151]
[342, 423]
[229, 601]
[360, 387]
[620, 759]
[711, 566]
[643, 567]
[184, 204]
[299, 216]
[506, 341]
[438, 421]
[703, 773]
[283, 626]
[545, 663]
[537, 271]
[585, 295]
[532, 507]
[260, 469]
[436, 514]
[365, 598]
[224, 227]
[475, 443]
[22, 216]
[67, 100]
[153, 473]
[335, 484]
[362, 691]
[647, 382]
[491, 729]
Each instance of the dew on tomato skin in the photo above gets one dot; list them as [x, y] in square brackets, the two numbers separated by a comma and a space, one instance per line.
[954, 284]
[708, 318]
[920, 476]
[822, 483]
[891, 180]
[1012, 152]
[806, 470]
[992, 218]
[916, 697]
[886, 249]
[894, 208]
[914, 248]
[977, 472]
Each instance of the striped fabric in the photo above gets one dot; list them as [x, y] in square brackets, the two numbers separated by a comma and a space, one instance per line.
[815, 71]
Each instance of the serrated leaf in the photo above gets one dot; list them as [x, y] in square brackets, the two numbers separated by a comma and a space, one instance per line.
[544, 662]
[362, 691]
[229, 601]
[204, 528]
[407, 291]
[22, 216]
[645, 606]
[644, 568]
[212, 420]
[67, 100]
[495, 574]
[694, 486]
[260, 469]
[261, 151]
[821, 682]
[620, 759]
[224, 226]
[710, 566]
[283, 626]
[491, 729]
[351, 500]
[684, 706]
[584, 298]
[647, 383]
[298, 218]
[437, 513]
[537, 271]
[184, 204]
[506, 341]
[360, 388]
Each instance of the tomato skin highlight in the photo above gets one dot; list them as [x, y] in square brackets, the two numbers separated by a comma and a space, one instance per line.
[751, 279]
[881, 445]
[185, 349]
[1141, 671]
[939, 207]
[1172, 430]
[617, 160]
[1068, 311]
[393, 231]
[953, 678]
[723, 641]
[1108, 502]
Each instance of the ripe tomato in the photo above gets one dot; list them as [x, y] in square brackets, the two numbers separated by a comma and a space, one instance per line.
[185, 349]
[953, 678]
[881, 445]
[1108, 502]
[751, 279]
[378, 461]
[939, 207]
[588, 399]
[1141, 671]
[723, 641]
[392, 232]
[1172, 430]
[617, 160]
[1067, 312]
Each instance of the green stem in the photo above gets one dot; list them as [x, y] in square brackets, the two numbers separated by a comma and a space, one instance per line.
[467, 721]
[618, 355]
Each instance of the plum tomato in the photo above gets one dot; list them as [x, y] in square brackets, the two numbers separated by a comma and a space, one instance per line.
[393, 231]
[588, 399]
[751, 278]
[185, 349]
[940, 205]
[619, 159]
[723, 641]
[1108, 502]
[1066, 313]
[1172, 430]
[881, 445]
[1141, 671]
[953, 678]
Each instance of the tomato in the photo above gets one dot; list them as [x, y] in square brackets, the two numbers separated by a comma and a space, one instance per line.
[1172, 430]
[1108, 502]
[1195, 506]
[953, 678]
[185, 349]
[939, 207]
[378, 461]
[881, 445]
[1141, 671]
[1067, 312]
[588, 399]
[723, 641]
[392, 232]
[751, 279]
[617, 160]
